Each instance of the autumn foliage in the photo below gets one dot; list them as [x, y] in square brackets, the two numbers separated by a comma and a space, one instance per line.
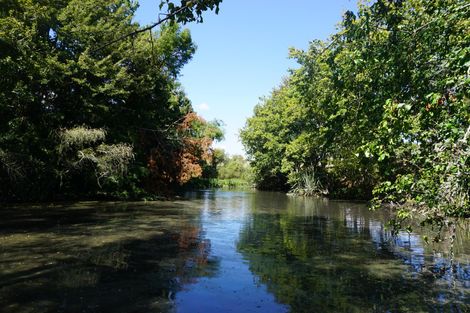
[182, 160]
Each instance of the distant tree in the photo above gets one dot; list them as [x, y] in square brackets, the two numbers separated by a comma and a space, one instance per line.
[235, 167]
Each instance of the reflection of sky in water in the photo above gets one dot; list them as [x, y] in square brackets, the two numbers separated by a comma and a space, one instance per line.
[225, 214]
[410, 248]
[235, 289]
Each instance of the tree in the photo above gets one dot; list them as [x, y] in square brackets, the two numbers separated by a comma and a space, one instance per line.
[384, 112]
[59, 73]
[276, 121]
[235, 167]
[177, 162]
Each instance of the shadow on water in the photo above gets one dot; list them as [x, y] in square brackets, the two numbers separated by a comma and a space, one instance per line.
[100, 257]
[223, 251]
[325, 256]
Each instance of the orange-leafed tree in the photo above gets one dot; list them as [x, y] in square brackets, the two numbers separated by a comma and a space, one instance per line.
[182, 158]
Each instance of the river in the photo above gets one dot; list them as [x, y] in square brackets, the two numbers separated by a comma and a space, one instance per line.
[224, 251]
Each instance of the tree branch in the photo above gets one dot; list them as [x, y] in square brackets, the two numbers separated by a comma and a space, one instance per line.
[138, 31]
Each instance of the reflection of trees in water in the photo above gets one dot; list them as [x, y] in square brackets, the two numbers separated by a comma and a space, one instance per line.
[101, 262]
[196, 264]
[325, 256]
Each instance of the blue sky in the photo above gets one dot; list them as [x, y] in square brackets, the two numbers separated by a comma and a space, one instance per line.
[243, 53]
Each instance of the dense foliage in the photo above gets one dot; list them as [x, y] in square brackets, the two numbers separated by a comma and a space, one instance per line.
[381, 111]
[233, 171]
[234, 167]
[82, 117]
[223, 171]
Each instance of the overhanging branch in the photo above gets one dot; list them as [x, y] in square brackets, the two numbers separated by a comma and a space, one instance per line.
[138, 31]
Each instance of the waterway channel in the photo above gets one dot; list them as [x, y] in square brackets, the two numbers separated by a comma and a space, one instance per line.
[224, 251]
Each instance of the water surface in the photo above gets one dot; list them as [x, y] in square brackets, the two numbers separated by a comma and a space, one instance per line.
[223, 251]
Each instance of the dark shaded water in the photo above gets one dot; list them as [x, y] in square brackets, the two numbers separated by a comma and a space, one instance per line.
[223, 251]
